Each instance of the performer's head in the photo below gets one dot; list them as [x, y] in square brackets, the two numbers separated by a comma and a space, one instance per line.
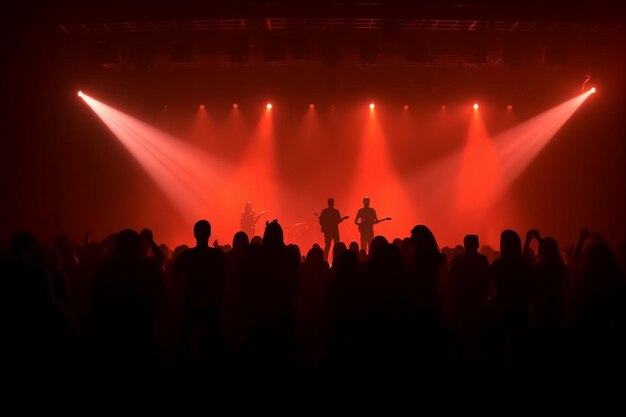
[248, 206]
[331, 202]
[366, 202]
[202, 232]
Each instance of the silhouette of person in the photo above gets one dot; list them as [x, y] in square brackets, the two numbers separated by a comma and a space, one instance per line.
[600, 316]
[268, 288]
[368, 219]
[513, 277]
[35, 328]
[249, 219]
[128, 296]
[468, 283]
[201, 271]
[426, 270]
[329, 220]
[548, 296]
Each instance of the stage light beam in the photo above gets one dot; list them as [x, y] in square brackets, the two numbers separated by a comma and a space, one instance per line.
[189, 177]
[509, 154]
[269, 106]
[372, 106]
[475, 106]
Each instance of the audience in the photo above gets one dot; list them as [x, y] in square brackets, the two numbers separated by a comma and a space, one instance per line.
[128, 311]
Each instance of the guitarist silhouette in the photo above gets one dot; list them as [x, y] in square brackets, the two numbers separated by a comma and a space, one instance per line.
[249, 219]
[368, 219]
[329, 220]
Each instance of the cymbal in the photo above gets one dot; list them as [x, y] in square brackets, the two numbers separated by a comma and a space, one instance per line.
[301, 224]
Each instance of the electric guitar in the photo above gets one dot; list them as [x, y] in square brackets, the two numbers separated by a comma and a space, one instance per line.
[248, 222]
[258, 216]
[362, 225]
[323, 229]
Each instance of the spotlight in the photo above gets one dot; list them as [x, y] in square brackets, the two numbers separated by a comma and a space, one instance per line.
[80, 93]
[406, 107]
[235, 106]
[509, 107]
[311, 106]
[443, 107]
[202, 107]
[593, 90]
[475, 106]
[372, 105]
[269, 106]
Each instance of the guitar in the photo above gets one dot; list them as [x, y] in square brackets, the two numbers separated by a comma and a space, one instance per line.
[258, 216]
[362, 225]
[249, 221]
[340, 220]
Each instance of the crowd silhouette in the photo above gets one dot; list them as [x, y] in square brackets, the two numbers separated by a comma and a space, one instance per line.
[128, 312]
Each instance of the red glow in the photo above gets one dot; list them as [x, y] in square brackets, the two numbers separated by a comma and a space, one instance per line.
[311, 106]
[269, 106]
[235, 106]
[80, 93]
[443, 107]
[372, 106]
[375, 176]
[593, 90]
[475, 106]
[255, 178]
[517, 147]
[505, 157]
[477, 183]
[451, 195]
[201, 130]
[509, 107]
[192, 180]
[406, 107]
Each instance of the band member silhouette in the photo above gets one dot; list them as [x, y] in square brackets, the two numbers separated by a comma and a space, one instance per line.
[329, 220]
[365, 219]
[368, 219]
[249, 219]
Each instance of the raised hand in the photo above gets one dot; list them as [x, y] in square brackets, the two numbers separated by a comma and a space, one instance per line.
[147, 234]
[584, 234]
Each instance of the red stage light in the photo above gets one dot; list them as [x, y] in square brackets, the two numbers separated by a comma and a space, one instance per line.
[311, 106]
[235, 106]
[372, 105]
[269, 106]
[202, 107]
[475, 106]
[443, 107]
[406, 107]
[80, 93]
[593, 90]
[509, 107]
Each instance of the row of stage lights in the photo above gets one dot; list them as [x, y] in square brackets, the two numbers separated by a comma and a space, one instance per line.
[372, 105]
